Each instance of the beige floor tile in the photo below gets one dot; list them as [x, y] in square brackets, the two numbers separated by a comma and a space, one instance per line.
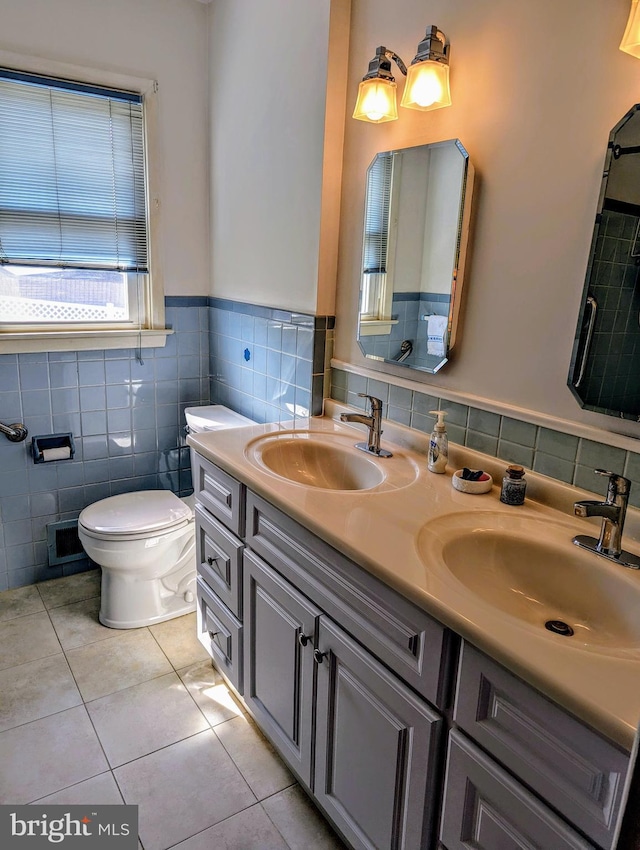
[144, 718]
[248, 830]
[36, 689]
[209, 690]
[63, 591]
[77, 624]
[178, 640]
[263, 770]
[48, 755]
[300, 822]
[99, 790]
[20, 601]
[111, 665]
[183, 789]
[26, 639]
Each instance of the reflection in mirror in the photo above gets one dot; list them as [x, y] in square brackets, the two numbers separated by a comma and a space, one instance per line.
[605, 366]
[416, 225]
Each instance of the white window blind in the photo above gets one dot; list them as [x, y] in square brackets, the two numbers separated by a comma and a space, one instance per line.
[72, 175]
[376, 225]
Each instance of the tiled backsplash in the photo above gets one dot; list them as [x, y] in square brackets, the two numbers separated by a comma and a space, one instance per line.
[562, 456]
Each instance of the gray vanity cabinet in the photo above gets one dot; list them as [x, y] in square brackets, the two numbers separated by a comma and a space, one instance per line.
[486, 809]
[377, 744]
[280, 630]
[563, 761]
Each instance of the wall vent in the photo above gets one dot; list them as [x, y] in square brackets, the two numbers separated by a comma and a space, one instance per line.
[63, 543]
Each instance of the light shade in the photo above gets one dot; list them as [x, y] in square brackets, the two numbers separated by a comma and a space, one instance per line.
[376, 101]
[427, 86]
[631, 39]
[428, 75]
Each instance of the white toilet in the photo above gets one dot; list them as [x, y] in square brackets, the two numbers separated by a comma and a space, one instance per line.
[145, 544]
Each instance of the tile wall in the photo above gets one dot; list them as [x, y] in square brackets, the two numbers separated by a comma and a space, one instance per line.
[127, 416]
[610, 379]
[561, 456]
[269, 365]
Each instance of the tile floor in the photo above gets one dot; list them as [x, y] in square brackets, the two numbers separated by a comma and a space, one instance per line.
[95, 715]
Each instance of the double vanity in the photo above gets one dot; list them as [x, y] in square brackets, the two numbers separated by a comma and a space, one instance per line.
[388, 634]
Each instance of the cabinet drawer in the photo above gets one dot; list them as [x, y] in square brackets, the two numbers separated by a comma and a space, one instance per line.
[219, 559]
[221, 635]
[221, 494]
[485, 808]
[567, 763]
[400, 634]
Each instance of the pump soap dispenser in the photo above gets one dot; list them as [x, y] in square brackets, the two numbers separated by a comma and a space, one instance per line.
[438, 444]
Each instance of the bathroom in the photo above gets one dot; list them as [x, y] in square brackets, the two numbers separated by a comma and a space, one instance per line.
[536, 90]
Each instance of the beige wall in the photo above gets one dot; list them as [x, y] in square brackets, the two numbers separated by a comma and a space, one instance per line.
[164, 40]
[536, 88]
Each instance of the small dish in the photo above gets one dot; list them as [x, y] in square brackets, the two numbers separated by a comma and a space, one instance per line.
[482, 485]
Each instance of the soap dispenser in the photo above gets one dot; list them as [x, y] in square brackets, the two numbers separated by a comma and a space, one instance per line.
[438, 444]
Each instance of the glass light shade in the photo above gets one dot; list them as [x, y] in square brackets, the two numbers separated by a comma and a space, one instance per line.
[631, 39]
[427, 86]
[376, 101]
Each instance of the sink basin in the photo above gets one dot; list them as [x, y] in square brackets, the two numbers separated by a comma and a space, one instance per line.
[327, 461]
[529, 569]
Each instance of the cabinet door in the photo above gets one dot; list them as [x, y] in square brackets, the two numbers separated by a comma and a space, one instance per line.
[487, 809]
[279, 633]
[377, 743]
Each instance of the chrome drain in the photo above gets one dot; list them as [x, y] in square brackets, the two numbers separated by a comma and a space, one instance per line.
[559, 627]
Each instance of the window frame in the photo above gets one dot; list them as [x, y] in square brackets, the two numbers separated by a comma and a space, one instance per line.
[151, 331]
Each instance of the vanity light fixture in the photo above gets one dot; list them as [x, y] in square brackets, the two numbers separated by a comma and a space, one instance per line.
[631, 39]
[427, 85]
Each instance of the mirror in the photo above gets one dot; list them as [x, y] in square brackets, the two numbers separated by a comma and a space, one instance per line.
[416, 225]
[605, 366]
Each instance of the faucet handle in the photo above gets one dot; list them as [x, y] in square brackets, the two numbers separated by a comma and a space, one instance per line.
[618, 484]
[376, 403]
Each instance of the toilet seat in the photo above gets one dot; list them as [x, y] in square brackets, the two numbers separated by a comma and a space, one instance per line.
[133, 516]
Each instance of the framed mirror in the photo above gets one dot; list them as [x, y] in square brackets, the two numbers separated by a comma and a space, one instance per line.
[416, 227]
[605, 366]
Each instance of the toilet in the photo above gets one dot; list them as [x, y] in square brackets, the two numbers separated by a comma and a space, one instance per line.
[145, 544]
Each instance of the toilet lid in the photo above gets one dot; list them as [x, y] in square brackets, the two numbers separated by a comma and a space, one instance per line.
[130, 513]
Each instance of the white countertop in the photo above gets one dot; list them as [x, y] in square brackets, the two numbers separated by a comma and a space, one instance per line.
[379, 529]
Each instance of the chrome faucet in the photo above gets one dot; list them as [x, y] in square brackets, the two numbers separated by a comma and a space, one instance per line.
[613, 512]
[373, 423]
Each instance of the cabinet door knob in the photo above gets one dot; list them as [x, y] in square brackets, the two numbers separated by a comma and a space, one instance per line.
[318, 656]
[303, 640]
[212, 635]
[211, 561]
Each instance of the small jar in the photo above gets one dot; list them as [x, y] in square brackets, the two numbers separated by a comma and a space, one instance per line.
[513, 486]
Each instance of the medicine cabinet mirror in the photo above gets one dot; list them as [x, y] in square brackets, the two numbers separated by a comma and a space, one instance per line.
[605, 366]
[416, 226]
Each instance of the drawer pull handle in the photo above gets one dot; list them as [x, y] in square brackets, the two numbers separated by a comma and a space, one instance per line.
[211, 561]
[212, 635]
[318, 656]
[303, 640]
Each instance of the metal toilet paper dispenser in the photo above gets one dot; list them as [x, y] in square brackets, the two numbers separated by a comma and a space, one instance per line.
[52, 447]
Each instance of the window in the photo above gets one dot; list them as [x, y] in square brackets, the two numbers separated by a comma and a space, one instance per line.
[378, 248]
[75, 229]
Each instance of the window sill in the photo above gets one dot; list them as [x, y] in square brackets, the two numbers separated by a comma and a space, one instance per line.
[23, 342]
[371, 327]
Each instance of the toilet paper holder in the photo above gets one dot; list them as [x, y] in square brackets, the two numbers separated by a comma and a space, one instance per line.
[52, 447]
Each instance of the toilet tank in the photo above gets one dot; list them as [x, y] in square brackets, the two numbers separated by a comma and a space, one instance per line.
[213, 417]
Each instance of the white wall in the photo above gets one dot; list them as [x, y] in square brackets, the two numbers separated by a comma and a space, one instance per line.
[536, 88]
[269, 67]
[164, 40]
